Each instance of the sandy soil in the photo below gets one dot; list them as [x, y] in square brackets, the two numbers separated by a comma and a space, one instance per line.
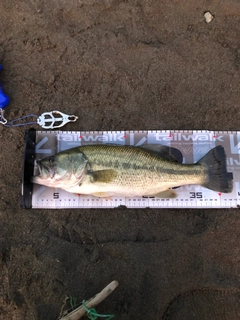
[117, 65]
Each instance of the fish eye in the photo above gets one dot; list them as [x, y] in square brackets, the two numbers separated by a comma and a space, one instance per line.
[51, 159]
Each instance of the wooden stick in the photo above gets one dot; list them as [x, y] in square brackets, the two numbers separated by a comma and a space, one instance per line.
[91, 303]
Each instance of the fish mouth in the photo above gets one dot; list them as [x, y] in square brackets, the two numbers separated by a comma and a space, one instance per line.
[44, 170]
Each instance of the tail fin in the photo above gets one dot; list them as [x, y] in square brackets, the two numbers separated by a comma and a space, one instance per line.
[218, 178]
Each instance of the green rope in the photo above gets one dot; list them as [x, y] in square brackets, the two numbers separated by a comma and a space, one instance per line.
[93, 315]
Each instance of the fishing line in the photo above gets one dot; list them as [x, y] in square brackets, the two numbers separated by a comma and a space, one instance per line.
[12, 123]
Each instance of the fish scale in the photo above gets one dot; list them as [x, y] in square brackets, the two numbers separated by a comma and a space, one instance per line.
[136, 165]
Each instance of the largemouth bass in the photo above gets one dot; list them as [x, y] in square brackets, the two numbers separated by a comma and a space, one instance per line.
[129, 171]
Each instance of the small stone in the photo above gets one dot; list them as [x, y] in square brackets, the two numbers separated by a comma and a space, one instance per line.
[208, 17]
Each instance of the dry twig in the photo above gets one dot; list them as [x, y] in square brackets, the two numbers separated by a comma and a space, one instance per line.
[79, 312]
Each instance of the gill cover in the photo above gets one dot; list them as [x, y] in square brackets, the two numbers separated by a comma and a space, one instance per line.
[63, 166]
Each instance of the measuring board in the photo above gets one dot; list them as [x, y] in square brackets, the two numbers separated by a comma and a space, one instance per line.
[192, 144]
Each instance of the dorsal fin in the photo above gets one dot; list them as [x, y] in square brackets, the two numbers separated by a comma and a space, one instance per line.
[168, 153]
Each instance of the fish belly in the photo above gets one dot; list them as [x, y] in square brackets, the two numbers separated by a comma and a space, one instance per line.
[133, 185]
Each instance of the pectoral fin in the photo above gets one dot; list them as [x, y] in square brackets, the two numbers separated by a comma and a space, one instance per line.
[165, 194]
[104, 176]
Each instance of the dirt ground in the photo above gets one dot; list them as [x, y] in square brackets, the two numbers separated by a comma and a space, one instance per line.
[118, 65]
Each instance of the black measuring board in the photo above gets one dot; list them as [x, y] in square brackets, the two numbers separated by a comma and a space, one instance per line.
[193, 145]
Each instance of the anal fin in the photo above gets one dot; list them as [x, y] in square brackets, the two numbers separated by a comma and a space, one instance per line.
[169, 194]
[105, 195]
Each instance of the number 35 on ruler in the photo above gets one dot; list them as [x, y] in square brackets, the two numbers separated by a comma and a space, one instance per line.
[196, 195]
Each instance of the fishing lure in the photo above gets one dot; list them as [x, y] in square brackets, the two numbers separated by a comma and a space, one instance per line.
[47, 120]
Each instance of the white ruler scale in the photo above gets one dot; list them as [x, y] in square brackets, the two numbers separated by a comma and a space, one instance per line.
[192, 144]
